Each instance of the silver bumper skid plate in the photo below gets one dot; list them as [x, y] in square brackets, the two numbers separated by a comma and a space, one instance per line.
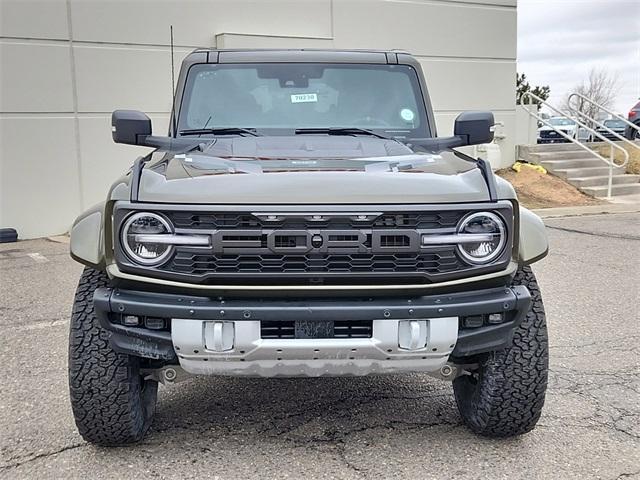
[200, 347]
[223, 336]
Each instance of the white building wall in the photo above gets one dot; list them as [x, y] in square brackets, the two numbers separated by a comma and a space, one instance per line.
[66, 64]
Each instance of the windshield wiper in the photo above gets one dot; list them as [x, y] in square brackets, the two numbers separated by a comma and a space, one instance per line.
[220, 131]
[339, 131]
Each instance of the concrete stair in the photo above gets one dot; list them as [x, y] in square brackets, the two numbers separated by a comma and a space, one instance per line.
[577, 167]
[566, 155]
[616, 190]
[624, 179]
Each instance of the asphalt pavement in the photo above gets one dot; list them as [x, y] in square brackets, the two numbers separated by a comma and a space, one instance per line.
[402, 426]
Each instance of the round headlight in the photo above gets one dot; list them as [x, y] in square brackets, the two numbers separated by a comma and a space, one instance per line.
[487, 238]
[145, 252]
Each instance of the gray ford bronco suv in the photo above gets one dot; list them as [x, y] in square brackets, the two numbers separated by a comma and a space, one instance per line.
[302, 218]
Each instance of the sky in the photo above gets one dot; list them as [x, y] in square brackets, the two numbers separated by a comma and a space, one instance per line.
[559, 41]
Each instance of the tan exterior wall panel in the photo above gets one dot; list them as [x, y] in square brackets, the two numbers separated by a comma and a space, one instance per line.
[40, 191]
[498, 3]
[526, 125]
[34, 19]
[195, 22]
[233, 40]
[470, 84]
[296, 18]
[135, 78]
[426, 28]
[27, 85]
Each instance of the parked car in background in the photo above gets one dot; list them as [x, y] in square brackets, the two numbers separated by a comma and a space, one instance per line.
[634, 117]
[612, 125]
[547, 134]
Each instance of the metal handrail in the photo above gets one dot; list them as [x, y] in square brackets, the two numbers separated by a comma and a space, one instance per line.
[595, 132]
[531, 96]
[604, 109]
[604, 127]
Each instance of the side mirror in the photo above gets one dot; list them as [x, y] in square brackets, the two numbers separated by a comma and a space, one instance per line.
[471, 128]
[474, 127]
[130, 127]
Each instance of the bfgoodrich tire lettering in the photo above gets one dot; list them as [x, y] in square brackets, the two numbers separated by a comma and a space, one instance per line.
[504, 397]
[112, 404]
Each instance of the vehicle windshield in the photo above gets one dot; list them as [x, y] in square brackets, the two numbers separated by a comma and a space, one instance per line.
[283, 97]
[560, 121]
[614, 123]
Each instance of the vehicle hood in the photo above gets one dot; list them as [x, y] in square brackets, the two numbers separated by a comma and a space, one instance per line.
[615, 129]
[309, 170]
[568, 128]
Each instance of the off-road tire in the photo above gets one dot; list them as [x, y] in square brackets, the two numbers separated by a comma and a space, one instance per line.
[112, 404]
[504, 397]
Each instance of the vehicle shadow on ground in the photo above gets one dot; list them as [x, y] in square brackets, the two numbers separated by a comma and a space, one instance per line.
[316, 409]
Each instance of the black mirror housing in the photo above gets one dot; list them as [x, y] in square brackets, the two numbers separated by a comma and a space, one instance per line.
[471, 128]
[474, 128]
[130, 127]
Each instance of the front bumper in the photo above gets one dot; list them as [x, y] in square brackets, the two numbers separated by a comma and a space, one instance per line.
[223, 337]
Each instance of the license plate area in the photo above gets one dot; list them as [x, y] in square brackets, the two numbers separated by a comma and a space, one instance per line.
[314, 328]
[301, 329]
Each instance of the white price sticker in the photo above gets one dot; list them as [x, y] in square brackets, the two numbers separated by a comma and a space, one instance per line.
[304, 97]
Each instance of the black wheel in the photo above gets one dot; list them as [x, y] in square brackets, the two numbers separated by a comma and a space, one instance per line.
[505, 395]
[112, 404]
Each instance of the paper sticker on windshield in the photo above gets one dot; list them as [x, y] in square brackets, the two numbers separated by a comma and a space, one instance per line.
[304, 97]
[407, 114]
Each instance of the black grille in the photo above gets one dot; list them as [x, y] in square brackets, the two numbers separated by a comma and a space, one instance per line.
[330, 329]
[442, 261]
[277, 330]
[372, 246]
[550, 134]
[216, 221]
[395, 241]
[352, 329]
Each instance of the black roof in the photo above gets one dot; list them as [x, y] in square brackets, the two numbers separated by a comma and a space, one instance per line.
[248, 55]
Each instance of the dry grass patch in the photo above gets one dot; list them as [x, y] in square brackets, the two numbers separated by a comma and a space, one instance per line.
[634, 156]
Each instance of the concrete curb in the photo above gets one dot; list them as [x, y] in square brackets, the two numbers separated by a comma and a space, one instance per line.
[587, 210]
[60, 239]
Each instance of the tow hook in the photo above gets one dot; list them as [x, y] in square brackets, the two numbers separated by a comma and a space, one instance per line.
[164, 375]
[448, 372]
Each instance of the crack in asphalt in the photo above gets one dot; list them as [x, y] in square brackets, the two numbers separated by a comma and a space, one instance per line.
[283, 427]
[338, 438]
[40, 455]
[598, 343]
[602, 417]
[595, 234]
[628, 475]
[27, 326]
